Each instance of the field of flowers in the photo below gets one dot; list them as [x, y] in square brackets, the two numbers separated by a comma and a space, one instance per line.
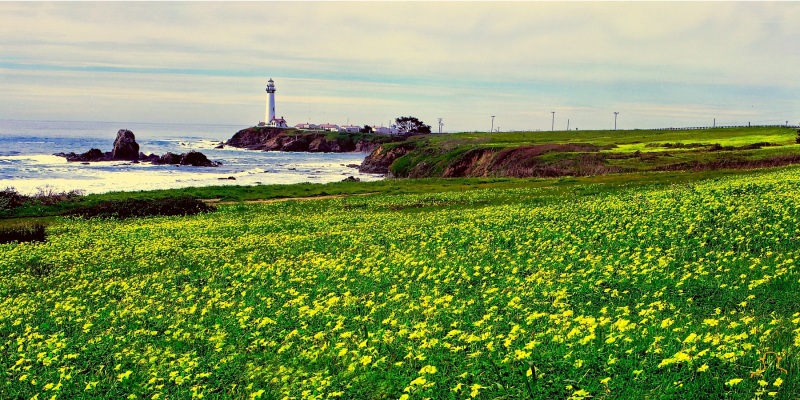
[685, 292]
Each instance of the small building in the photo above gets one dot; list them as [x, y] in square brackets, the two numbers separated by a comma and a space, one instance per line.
[307, 125]
[350, 128]
[382, 130]
[329, 127]
[277, 123]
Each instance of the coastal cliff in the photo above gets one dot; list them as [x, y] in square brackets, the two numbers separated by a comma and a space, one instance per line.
[274, 139]
[560, 154]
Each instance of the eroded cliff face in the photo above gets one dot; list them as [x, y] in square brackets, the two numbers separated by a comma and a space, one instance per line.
[379, 161]
[524, 161]
[273, 139]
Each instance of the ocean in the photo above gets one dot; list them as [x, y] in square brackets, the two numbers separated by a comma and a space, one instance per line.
[27, 162]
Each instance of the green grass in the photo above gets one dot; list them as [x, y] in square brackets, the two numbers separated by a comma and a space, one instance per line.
[234, 193]
[724, 136]
[438, 152]
[645, 285]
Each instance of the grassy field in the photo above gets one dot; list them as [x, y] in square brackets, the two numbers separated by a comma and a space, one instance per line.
[35, 211]
[609, 151]
[651, 285]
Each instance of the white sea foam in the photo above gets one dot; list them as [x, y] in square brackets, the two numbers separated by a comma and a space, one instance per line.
[30, 164]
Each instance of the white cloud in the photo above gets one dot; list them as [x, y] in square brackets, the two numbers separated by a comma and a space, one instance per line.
[378, 59]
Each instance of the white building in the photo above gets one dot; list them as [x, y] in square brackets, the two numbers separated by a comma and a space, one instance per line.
[307, 125]
[350, 128]
[329, 127]
[382, 130]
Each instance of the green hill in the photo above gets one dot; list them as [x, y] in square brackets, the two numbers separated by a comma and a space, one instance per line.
[584, 153]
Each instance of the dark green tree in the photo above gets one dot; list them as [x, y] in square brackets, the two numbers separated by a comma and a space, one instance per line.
[366, 129]
[411, 126]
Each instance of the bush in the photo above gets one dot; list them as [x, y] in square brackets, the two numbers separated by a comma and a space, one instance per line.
[47, 195]
[23, 233]
[10, 198]
[137, 208]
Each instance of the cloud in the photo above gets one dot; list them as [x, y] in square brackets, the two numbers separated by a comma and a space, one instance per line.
[369, 60]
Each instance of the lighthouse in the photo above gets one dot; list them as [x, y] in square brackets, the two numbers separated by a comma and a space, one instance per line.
[270, 100]
[271, 120]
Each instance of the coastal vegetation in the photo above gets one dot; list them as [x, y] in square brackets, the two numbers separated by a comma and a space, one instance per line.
[677, 285]
[643, 284]
[583, 153]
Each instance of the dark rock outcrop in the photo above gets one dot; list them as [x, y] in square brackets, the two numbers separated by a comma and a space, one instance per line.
[193, 158]
[125, 146]
[273, 139]
[197, 159]
[126, 149]
[91, 155]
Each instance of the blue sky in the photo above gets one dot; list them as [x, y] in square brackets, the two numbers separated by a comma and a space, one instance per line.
[658, 64]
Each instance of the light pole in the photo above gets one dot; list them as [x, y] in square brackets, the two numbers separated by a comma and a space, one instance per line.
[615, 120]
[492, 130]
[553, 122]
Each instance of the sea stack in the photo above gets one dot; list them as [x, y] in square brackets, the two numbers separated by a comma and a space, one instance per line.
[125, 146]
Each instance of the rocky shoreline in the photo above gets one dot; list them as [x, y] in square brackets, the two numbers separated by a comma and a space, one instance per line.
[126, 149]
[275, 139]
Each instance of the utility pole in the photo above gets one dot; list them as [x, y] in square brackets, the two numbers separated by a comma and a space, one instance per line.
[615, 120]
[567, 123]
[492, 130]
[553, 122]
[715, 122]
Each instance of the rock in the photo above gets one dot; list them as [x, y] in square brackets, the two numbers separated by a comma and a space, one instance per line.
[255, 138]
[365, 147]
[272, 139]
[197, 159]
[319, 145]
[152, 158]
[220, 146]
[351, 179]
[295, 145]
[380, 159]
[91, 155]
[169, 158]
[352, 165]
[125, 146]
[230, 178]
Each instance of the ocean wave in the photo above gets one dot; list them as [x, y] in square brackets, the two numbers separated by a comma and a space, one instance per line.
[37, 158]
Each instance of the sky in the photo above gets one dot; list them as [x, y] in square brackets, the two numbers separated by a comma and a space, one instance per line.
[658, 64]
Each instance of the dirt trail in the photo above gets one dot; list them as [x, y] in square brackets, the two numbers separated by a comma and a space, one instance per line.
[330, 196]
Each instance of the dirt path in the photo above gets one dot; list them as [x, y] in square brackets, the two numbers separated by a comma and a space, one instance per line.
[330, 196]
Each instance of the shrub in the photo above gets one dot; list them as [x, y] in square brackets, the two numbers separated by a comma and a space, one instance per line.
[136, 208]
[47, 195]
[10, 198]
[23, 233]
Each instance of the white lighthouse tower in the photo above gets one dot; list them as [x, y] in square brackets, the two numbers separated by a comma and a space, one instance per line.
[271, 120]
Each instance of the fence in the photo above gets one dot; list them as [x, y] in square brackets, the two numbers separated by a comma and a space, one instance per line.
[719, 127]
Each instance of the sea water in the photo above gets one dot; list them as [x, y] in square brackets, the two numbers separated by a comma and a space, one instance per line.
[27, 162]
